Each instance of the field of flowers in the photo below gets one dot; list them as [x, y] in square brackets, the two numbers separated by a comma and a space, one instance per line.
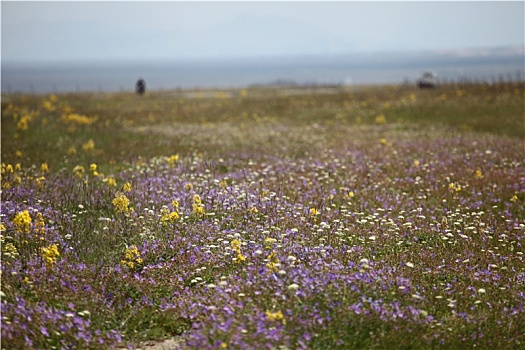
[265, 218]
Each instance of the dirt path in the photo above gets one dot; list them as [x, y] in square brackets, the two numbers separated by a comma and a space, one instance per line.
[167, 344]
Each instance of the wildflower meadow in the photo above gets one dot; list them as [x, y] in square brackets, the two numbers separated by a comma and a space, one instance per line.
[265, 218]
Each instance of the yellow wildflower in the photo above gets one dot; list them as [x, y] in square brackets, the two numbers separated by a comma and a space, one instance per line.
[74, 118]
[22, 221]
[23, 123]
[89, 145]
[314, 212]
[111, 181]
[48, 106]
[18, 167]
[173, 159]
[198, 207]
[132, 257]
[39, 181]
[79, 170]
[380, 119]
[121, 203]
[274, 262]
[169, 217]
[383, 141]
[175, 203]
[416, 163]
[236, 245]
[268, 242]
[275, 316]
[40, 224]
[479, 174]
[126, 187]
[71, 151]
[197, 199]
[514, 198]
[44, 168]
[454, 186]
[7, 168]
[50, 255]
[9, 250]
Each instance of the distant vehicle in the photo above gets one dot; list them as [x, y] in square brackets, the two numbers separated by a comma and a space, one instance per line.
[427, 80]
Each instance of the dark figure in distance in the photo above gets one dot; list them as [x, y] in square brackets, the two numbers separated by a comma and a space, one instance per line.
[140, 88]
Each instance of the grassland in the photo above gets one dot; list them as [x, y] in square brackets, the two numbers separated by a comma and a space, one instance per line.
[265, 218]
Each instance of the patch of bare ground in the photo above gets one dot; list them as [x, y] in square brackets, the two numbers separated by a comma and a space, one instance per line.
[166, 344]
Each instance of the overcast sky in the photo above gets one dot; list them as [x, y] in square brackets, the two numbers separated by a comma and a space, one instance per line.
[72, 31]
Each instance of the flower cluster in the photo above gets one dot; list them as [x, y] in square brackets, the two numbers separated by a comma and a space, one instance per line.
[132, 257]
[50, 255]
[198, 206]
[121, 203]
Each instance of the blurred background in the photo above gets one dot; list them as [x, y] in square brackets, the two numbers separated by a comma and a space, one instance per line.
[106, 46]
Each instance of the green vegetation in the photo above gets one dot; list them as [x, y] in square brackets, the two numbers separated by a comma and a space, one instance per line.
[272, 218]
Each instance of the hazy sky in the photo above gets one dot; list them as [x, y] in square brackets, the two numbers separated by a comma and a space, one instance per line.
[57, 31]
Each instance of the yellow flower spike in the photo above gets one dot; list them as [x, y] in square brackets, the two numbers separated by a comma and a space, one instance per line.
[197, 199]
[275, 316]
[18, 167]
[79, 170]
[93, 167]
[40, 224]
[71, 151]
[173, 159]
[22, 221]
[351, 194]
[126, 187]
[236, 245]
[111, 181]
[314, 212]
[169, 217]
[22, 124]
[44, 168]
[479, 174]
[416, 163]
[40, 181]
[131, 257]
[380, 119]
[121, 203]
[50, 255]
[89, 145]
